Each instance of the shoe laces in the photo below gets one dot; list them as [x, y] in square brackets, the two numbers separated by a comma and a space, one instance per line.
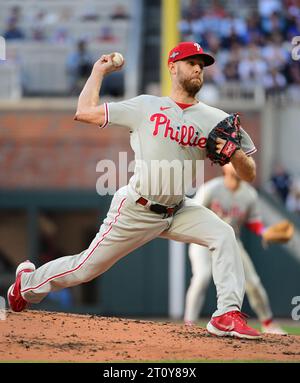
[239, 316]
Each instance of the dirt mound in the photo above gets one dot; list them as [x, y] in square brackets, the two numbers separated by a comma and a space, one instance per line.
[47, 336]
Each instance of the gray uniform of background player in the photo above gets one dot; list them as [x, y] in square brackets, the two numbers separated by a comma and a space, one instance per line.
[237, 208]
[129, 225]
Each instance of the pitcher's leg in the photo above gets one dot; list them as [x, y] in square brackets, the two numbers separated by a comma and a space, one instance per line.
[255, 291]
[119, 234]
[197, 224]
[201, 275]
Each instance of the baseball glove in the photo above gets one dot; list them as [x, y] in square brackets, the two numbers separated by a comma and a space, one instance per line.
[281, 232]
[229, 130]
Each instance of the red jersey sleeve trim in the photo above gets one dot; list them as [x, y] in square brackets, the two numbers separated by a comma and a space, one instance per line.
[251, 151]
[257, 227]
[106, 116]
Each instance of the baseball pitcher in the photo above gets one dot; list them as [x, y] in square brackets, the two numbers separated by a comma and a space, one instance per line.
[236, 202]
[163, 130]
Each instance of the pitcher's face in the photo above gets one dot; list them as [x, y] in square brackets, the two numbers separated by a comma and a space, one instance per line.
[189, 74]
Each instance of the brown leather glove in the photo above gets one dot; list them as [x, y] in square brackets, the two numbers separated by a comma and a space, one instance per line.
[228, 130]
[280, 232]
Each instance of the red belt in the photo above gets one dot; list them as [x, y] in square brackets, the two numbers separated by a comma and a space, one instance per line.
[160, 209]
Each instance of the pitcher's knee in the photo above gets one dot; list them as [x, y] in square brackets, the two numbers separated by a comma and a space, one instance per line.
[224, 234]
[229, 232]
[88, 272]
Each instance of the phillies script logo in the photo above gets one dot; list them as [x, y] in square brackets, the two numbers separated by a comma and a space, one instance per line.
[234, 212]
[184, 135]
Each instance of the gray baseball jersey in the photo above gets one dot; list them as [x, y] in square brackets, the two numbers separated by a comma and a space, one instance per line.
[237, 208]
[161, 132]
[164, 135]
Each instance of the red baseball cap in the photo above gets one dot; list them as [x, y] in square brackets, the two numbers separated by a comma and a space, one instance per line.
[187, 49]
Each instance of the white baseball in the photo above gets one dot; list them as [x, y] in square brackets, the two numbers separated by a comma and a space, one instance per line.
[117, 59]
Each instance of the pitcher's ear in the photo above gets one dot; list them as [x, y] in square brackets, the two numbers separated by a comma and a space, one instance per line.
[172, 67]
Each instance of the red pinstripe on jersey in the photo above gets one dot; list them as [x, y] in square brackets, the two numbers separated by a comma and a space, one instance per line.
[106, 116]
[251, 151]
[87, 257]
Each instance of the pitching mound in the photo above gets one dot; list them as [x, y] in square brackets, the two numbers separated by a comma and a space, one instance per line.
[47, 336]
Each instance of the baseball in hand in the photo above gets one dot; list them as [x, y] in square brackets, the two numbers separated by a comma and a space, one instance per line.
[117, 59]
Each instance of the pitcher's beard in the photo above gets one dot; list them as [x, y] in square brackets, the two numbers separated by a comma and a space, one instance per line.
[191, 87]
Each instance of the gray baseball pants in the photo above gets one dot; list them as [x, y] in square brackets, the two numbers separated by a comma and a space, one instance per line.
[129, 225]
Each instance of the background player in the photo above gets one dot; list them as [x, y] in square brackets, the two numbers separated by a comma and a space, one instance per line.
[151, 206]
[236, 202]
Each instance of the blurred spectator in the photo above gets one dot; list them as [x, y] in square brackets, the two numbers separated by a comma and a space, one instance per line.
[292, 26]
[232, 24]
[274, 23]
[293, 78]
[185, 29]
[13, 32]
[15, 15]
[252, 68]
[267, 7]
[217, 9]
[214, 74]
[254, 32]
[232, 38]
[90, 14]
[79, 66]
[274, 53]
[281, 182]
[60, 35]
[293, 199]
[293, 72]
[211, 20]
[46, 24]
[193, 11]
[39, 26]
[231, 71]
[106, 35]
[230, 61]
[120, 13]
[274, 82]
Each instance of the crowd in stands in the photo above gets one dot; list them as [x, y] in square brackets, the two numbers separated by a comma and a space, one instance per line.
[79, 65]
[53, 25]
[250, 49]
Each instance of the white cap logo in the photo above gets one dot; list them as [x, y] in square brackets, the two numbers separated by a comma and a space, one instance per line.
[173, 55]
[197, 46]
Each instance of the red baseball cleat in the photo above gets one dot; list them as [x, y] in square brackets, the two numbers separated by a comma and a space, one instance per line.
[273, 328]
[233, 324]
[16, 301]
